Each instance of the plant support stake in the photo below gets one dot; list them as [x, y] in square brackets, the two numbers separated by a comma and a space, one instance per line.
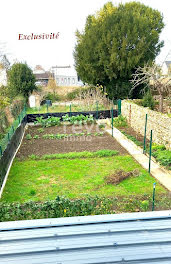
[144, 148]
[97, 114]
[70, 110]
[154, 188]
[0, 150]
[112, 120]
[149, 169]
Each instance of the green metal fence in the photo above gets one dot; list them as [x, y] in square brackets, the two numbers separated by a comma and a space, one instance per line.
[6, 139]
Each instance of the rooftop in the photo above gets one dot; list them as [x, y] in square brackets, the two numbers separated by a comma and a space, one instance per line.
[122, 238]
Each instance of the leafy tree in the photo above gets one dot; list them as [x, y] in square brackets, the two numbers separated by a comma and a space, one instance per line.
[21, 80]
[115, 41]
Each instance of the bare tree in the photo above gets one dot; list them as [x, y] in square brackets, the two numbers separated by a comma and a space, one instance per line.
[151, 77]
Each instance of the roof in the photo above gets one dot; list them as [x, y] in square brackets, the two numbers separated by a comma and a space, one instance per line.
[122, 238]
[42, 76]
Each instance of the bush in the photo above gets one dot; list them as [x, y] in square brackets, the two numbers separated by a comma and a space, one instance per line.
[120, 121]
[148, 100]
[52, 96]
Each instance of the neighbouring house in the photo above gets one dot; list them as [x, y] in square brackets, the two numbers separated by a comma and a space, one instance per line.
[166, 68]
[4, 66]
[42, 76]
[66, 76]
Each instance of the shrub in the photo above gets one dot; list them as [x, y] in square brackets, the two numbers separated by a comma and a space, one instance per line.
[120, 121]
[52, 96]
[148, 100]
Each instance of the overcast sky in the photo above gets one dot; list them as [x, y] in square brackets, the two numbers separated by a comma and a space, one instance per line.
[63, 16]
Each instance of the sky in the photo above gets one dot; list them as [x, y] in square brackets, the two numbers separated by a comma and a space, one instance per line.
[53, 16]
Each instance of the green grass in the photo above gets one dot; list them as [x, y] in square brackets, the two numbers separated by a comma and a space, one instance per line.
[80, 155]
[41, 180]
[63, 108]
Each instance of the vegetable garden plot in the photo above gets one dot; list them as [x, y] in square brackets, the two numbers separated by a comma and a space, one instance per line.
[63, 139]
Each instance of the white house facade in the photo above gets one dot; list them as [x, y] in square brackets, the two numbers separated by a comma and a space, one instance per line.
[165, 67]
[66, 76]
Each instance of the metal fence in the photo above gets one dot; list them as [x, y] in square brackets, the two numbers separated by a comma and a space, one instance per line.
[6, 139]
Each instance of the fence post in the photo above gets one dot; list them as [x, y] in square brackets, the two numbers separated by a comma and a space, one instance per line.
[8, 137]
[13, 129]
[70, 110]
[0, 150]
[149, 169]
[97, 110]
[19, 119]
[112, 120]
[154, 188]
[119, 107]
[144, 148]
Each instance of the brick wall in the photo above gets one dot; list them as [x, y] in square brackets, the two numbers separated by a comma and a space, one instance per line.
[158, 122]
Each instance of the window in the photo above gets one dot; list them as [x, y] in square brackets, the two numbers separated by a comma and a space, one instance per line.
[73, 80]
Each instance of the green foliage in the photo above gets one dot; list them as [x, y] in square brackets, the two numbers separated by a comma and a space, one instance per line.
[115, 41]
[28, 137]
[48, 122]
[65, 207]
[36, 137]
[120, 121]
[148, 100]
[159, 152]
[40, 130]
[102, 126]
[76, 155]
[145, 205]
[136, 141]
[52, 96]
[17, 106]
[32, 192]
[79, 119]
[162, 155]
[21, 80]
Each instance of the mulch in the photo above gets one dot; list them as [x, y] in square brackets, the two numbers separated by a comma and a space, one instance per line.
[43, 146]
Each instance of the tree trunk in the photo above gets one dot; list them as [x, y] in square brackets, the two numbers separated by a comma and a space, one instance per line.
[161, 103]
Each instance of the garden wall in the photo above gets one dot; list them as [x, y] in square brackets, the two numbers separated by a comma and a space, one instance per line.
[158, 122]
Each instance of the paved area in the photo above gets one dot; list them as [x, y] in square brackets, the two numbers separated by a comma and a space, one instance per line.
[162, 175]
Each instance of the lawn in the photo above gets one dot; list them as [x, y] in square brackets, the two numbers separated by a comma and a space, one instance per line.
[40, 180]
[65, 108]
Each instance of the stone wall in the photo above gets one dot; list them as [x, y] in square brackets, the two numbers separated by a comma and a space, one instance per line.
[158, 122]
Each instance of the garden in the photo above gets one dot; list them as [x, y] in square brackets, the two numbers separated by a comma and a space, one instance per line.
[72, 166]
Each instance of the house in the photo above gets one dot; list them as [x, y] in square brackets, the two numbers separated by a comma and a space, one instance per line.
[66, 76]
[117, 238]
[42, 76]
[4, 66]
[166, 68]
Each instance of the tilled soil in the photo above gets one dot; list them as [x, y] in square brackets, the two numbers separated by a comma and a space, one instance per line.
[43, 146]
[130, 131]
